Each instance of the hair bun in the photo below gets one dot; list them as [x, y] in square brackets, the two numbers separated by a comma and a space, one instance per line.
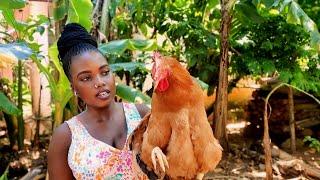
[72, 35]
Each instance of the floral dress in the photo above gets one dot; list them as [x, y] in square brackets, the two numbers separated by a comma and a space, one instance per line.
[90, 158]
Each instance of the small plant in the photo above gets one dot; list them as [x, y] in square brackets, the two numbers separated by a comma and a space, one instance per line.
[314, 143]
[4, 176]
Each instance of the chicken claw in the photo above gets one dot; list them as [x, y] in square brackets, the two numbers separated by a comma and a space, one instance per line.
[157, 155]
[200, 176]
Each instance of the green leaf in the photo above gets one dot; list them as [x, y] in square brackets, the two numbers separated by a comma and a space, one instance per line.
[60, 10]
[294, 14]
[114, 5]
[192, 62]
[212, 3]
[132, 95]
[202, 84]
[19, 50]
[114, 47]
[77, 11]
[119, 46]
[130, 66]
[61, 90]
[269, 3]
[4, 176]
[267, 45]
[40, 29]
[284, 5]
[268, 66]
[285, 76]
[144, 29]
[315, 40]
[10, 19]
[7, 106]
[12, 4]
[248, 10]
[142, 45]
[80, 12]
[53, 53]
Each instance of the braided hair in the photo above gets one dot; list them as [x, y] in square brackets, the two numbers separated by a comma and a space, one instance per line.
[74, 41]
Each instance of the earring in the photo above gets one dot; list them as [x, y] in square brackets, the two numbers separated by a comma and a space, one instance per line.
[75, 93]
[95, 86]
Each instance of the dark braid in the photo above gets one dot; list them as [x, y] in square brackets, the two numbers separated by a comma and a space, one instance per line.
[74, 40]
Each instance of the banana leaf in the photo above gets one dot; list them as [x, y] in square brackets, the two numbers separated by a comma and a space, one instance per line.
[7, 106]
[132, 95]
[78, 11]
[19, 50]
[12, 4]
[118, 47]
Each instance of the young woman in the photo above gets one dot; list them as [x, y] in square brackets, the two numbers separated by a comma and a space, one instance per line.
[92, 145]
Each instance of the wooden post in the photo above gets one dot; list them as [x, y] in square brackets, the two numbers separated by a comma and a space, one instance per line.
[221, 105]
[292, 121]
[20, 117]
[267, 144]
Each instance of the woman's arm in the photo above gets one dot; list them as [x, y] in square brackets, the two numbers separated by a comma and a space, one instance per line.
[143, 109]
[58, 154]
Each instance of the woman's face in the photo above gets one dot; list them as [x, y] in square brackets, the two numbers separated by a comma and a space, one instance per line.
[92, 79]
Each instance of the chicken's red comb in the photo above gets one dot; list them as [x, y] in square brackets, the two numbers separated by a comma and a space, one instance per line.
[156, 55]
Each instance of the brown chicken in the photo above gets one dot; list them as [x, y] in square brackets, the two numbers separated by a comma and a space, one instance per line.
[176, 138]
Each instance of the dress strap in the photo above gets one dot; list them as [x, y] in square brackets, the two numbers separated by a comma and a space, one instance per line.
[77, 130]
[132, 116]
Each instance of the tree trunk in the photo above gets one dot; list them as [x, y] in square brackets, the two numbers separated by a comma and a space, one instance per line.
[35, 85]
[222, 90]
[105, 18]
[292, 122]
[12, 127]
[20, 117]
[267, 143]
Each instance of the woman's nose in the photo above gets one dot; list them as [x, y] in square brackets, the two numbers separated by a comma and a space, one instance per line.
[99, 82]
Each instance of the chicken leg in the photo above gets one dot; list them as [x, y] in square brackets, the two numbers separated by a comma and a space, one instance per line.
[157, 156]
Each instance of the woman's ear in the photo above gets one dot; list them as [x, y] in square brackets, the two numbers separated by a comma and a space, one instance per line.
[75, 92]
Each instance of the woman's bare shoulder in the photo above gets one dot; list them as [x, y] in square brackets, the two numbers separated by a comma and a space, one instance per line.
[58, 153]
[62, 133]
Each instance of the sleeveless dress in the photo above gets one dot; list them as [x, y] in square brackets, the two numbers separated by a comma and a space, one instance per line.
[90, 158]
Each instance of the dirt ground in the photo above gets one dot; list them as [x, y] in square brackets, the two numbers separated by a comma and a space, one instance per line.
[245, 160]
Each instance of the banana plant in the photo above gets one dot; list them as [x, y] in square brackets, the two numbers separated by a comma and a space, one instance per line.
[23, 48]
[60, 89]
[21, 51]
[75, 10]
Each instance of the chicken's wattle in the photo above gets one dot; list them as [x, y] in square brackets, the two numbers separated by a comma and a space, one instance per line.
[163, 85]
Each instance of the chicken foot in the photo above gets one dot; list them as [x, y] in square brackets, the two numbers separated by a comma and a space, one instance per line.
[200, 176]
[157, 155]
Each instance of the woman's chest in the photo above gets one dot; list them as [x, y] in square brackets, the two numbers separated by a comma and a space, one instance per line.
[93, 158]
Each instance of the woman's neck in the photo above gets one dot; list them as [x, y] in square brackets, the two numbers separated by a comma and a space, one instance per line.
[101, 114]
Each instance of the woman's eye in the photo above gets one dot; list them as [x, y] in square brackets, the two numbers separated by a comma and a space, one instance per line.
[105, 73]
[87, 78]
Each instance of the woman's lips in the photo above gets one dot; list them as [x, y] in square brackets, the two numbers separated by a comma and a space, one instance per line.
[103, 95]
